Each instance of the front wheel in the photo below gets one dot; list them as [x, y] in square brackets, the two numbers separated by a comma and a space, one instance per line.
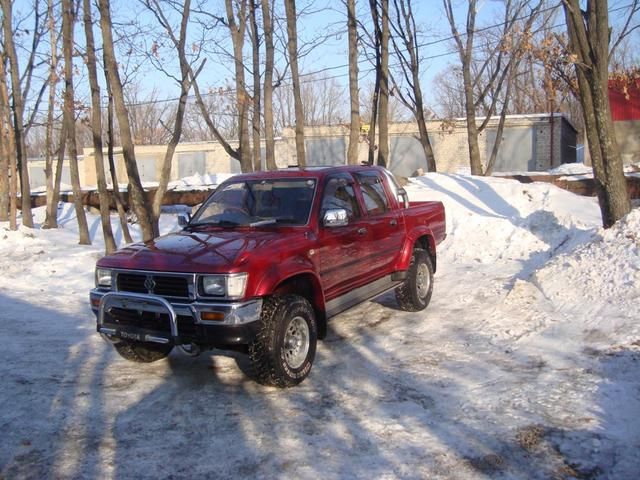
[142, 352]
[415, 293]
[284, 348]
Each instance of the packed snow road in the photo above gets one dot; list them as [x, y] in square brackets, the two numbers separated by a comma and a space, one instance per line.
[525, 365]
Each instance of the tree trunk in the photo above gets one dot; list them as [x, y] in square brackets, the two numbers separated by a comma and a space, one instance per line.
[255, 118]
[8, 147]
[383, 102]
[5, 151]
[137, 197]
[292, 48]
[4, 144]
[371, 137]
[68, 21]
[268, 85]
[122, 214]
[51, 216]
[96, 130]
[237, 30]
[18, 114]
[405, 29]
[589, 41]
[52, 207]
[185, 85]
[354, 128]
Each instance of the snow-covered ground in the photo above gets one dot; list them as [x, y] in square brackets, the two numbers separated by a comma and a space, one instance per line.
[525, 365]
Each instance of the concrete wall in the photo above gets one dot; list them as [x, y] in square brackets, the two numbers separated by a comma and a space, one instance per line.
[628, 137]
[526, 146]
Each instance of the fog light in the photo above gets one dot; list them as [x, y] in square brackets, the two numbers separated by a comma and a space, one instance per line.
[212, 316]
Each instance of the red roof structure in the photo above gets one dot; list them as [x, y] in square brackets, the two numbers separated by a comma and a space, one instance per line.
[624, 98]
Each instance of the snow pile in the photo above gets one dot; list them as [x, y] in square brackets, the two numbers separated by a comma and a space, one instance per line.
[604, 272]
[490, 219]
[197, 181]
[571, 169]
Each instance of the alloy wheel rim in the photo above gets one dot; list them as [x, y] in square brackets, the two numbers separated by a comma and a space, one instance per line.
[422, 280]
[296, 342]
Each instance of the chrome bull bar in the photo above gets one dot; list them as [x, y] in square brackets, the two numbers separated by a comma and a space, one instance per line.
[137, 301]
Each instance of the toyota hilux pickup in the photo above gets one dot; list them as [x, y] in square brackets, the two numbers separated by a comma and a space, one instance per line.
[265, 262]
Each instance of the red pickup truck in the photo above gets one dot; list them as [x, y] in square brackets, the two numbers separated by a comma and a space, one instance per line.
[266, 260]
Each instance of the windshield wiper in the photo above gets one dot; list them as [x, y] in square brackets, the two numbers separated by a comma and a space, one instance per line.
[217, 223]
[266, 221]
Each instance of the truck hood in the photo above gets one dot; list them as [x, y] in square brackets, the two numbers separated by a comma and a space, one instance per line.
[213, 251]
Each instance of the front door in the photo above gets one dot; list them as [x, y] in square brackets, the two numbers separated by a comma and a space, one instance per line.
[343, 250]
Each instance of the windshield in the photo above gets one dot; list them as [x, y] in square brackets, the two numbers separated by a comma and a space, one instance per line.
[258, 202]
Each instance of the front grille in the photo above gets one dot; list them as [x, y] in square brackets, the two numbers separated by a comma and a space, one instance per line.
[163, 285]
[133, 318]
[128, 282]
[159, 322]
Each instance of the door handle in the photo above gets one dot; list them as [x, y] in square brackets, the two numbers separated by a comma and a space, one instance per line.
[362, 231]
[393, 222]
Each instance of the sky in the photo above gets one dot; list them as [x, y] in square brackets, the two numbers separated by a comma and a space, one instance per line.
[322, 17]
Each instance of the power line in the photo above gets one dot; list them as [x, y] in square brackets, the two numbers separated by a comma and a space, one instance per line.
[230, 91]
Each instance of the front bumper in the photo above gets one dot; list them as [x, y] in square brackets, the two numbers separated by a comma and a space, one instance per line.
[151, 318]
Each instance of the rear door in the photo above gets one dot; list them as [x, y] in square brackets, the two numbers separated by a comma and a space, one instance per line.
[384, 223]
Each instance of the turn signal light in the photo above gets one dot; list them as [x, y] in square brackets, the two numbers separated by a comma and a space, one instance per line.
[212, 316]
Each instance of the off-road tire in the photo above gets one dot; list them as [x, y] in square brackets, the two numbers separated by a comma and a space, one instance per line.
[412, 295]
[142, 352]
[267, 350]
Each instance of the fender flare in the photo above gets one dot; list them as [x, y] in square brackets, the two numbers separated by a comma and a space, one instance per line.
[418, 233]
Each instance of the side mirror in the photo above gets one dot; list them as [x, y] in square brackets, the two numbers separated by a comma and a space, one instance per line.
[183, 219]
[336, 217]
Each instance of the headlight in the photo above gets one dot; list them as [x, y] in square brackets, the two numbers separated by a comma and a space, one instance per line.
[229, 286]
[214, 285]
[103, 277]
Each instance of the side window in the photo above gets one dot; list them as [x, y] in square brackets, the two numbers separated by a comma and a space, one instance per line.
[339, 193]
[375, 198]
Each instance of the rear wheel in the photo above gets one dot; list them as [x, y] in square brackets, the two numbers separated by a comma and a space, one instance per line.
[142, 352]
[415, 293]
[284, 348]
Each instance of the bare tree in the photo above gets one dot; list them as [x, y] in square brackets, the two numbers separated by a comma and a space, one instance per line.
[354, 125]
[148, 115]
[8, 167]
[323, 102]
[52, 174]
[17, 96]
[373, 118]
[407, 49]
[96, 127]
[589, 33]
[495, 67]
[68, 21]
[112, 166]
[237, 23]
[137, 196]
[267, 21]
[179, 44]
[255, 112]
[292, 49]
[4, 141]
[383, 100]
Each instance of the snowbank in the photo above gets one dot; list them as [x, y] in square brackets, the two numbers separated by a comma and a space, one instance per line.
[490, 219]
[603, 273]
